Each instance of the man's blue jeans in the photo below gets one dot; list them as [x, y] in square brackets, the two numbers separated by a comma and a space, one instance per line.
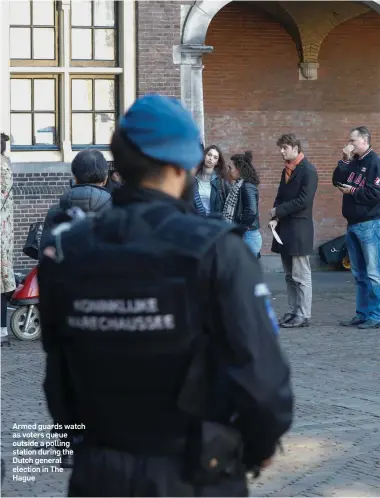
[363, 244]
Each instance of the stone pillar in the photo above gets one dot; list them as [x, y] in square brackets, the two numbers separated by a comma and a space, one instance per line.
[5, 116]
[127, 44]
[190, 59]
[65, 82]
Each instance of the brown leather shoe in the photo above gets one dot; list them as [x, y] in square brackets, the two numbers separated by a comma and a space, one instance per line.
[286, 318]
[297, 322]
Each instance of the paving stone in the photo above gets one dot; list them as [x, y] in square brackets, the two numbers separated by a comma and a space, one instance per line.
[333, 447]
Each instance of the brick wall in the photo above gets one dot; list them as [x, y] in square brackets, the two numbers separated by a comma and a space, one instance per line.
[158, 30]
[34, 193]
[252, 95]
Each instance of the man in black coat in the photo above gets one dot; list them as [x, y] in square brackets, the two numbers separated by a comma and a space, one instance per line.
[293, 213]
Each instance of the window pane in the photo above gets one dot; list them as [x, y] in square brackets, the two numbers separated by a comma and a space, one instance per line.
[104, 127]
[43, 43]
[19, 13]
[104, 95]
[21, 95]
[81, 44]
[44, 129]
[80, 13]
[104, 44]
[82, 129]
[43, 13]
[20, 43]
[81, 95]
[104, 13]
[21, 129]
[44, 95]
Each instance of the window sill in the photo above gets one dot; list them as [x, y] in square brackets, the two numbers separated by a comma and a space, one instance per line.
[32, 148]
[82, 147]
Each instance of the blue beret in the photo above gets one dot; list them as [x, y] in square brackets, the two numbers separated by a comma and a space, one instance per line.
[163, 129]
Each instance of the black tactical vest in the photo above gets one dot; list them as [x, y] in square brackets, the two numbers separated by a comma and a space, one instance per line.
[132, 312]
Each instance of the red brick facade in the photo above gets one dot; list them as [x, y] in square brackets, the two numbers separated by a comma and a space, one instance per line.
[252, 94]
[158, 30]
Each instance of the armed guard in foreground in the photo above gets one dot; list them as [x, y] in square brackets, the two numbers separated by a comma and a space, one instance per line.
[158, 330]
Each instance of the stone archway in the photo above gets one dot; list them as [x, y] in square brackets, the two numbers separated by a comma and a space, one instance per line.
[198, 19]
[201, 13]
[189, 54]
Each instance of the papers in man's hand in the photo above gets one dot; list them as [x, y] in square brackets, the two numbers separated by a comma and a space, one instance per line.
[272, 225]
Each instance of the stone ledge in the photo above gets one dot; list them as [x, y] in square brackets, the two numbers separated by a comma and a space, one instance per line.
[41, 167]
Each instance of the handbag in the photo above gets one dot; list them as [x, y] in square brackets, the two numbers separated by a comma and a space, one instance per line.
[32, 244]
[332, 252]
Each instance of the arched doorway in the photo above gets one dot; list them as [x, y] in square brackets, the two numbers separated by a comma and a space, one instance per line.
[253, 92]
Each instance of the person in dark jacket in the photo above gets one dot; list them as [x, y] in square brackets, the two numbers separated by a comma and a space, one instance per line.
[211, 188]
[121, 338]
[242, 204]
[113, 181]
[357, 176]
[90, 171]
[292, 216]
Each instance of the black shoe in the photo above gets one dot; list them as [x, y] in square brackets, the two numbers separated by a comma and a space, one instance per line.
[2, 471]
[297, 322]
[286, 318]
[5, 341]
[357, 320]
[369, 324]
[67, 461]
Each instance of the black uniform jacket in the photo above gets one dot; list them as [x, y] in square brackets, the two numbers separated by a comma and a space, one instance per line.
[243, 332]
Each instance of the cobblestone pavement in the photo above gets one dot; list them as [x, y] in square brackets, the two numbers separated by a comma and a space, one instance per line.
[333, 448]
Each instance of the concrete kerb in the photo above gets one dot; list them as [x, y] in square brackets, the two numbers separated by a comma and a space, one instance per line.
[271, 263]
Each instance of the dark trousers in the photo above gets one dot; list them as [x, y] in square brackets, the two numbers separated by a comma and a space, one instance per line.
[3, 310]
[104, 472]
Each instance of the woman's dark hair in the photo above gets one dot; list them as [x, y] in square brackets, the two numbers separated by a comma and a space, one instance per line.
[243, 162]
[132, 165]
[220, 168]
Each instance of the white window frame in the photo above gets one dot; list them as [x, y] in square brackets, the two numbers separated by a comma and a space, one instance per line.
[126, 72]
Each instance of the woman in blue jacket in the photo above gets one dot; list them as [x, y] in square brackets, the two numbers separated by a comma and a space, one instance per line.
[242, 203]
[211, 188]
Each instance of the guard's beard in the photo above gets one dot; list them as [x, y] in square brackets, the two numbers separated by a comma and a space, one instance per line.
[188, 190]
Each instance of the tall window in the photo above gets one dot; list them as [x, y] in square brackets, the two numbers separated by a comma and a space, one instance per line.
[93, 33]
[33, 33]
[52, 101]
[93, 107]
[34, 103]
